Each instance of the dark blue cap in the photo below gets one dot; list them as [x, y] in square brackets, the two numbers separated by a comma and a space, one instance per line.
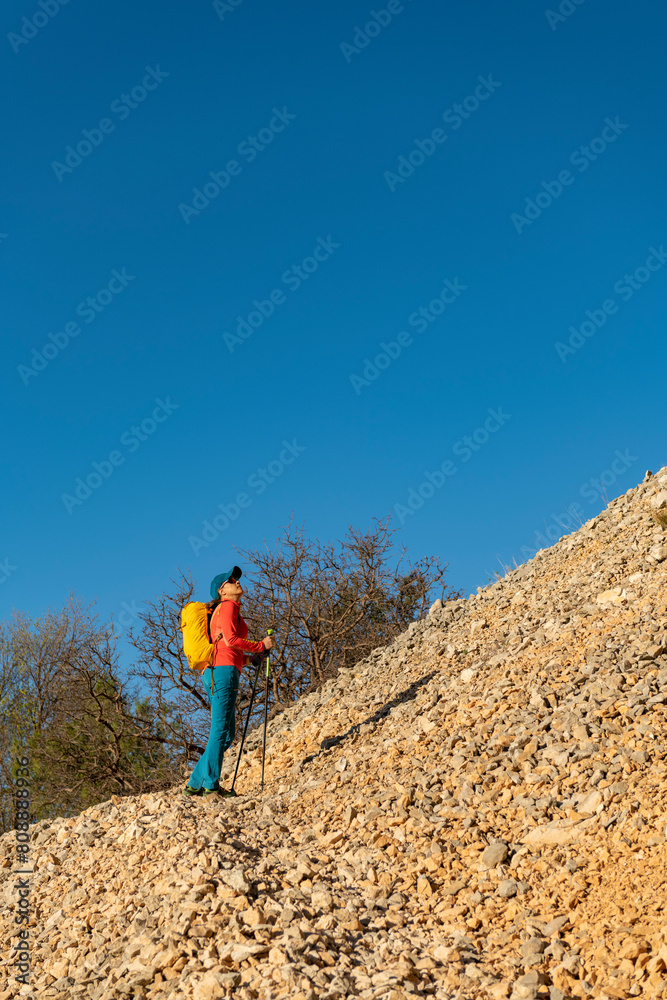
[221, 578]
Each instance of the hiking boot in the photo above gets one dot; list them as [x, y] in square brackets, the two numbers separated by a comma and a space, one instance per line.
[191, 791]
[221, 792]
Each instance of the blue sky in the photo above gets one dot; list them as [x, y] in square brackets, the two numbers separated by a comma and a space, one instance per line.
[216, 215]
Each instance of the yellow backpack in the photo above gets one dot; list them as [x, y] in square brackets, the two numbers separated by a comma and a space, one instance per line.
[197, 645]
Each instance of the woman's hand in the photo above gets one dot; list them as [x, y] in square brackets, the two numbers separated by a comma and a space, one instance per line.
[268, 642]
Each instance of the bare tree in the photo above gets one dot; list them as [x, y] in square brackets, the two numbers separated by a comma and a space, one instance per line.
[162, 666]
[66, 708]
[14, 710]
[332, 603]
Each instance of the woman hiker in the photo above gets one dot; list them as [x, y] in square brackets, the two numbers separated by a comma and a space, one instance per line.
[229, 633]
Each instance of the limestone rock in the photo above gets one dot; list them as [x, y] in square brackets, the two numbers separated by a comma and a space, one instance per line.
[477, 809]
[235, 879]
[494, 854]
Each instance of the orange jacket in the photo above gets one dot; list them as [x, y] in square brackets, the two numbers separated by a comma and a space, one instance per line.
[229, 632]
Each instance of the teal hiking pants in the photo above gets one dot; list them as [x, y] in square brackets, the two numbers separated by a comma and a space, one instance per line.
[223, 725]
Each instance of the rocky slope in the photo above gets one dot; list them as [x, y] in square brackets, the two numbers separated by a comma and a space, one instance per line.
[477, 810]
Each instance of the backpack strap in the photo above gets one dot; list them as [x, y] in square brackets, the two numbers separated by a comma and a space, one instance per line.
[214, 642]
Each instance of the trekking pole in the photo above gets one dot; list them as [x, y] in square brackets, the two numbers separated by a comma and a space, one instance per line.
[245, 728]
[266, 708]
